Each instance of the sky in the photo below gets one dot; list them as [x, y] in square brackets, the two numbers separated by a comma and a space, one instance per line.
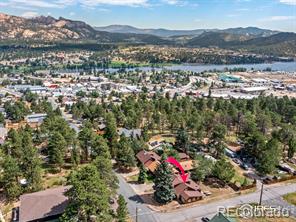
[171, 14]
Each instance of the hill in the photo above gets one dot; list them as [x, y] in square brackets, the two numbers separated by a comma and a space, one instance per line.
[282, 44]
[47, 28]
[249, 31]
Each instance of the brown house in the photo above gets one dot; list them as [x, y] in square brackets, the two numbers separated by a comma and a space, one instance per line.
[185, 161]
[186, 192]
[45, 205]
[149, 159]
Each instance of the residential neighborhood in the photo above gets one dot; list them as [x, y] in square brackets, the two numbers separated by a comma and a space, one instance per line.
[147, 111]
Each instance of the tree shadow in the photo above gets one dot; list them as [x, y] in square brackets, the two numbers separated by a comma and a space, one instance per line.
[137, 199]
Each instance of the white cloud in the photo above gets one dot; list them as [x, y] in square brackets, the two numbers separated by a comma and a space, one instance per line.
[171, 2]
[35, 3]
[30, 14]
[179, 3]
[72, 13]
[114, 2]
[288, 2]
[278, 18]
[64, 3]
[103, 10]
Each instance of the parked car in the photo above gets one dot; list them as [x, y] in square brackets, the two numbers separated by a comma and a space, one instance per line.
[244, 166]
[237, 161]
[205, 219]
[207, 193]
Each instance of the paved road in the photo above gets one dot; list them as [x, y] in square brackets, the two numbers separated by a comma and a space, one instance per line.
[55, 105]
[134, 202]
[197, 212]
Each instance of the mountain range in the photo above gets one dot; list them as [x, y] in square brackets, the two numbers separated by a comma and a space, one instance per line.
[49, 29]
[248, 31]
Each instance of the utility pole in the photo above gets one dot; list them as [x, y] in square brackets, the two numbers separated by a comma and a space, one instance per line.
[261, 193]
[136, 213]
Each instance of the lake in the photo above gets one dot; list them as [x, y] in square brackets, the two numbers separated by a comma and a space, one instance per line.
[276, 66]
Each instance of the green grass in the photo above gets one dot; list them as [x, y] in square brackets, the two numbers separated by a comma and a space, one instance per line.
[134, 178]
[55, 181]
[290, 198]
[170, 139]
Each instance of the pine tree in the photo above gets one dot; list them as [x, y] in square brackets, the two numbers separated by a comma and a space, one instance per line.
[292, 148]
[88, 196]
[182, 140]
[30, 163]
[104, 167]
[111, 133]
[86, 137]
[125, 155]
[269, 157]
[223, 170]
[100, 148]
[142, 175]
[13, 144]
[75, 154]
[11, 174]
[57, 149]
[122, 209]
[163, 183]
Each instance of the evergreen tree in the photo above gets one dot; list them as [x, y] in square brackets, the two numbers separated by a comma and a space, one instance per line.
[125, 155]
[202, 168]
[56, 149]
[292, 148]
[30, 163]
[104, 166]
[223, 170]
[122, 209]
[182, 140]
[11, 176]
[163, 183]
[217, 139]
[13, 144]
[86, 137]
[269, 157]
[111, 133]
[88, 196]
[142, 174]
[100, 148]
[75, 154]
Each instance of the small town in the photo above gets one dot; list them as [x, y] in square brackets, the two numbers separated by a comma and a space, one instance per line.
[117, 123]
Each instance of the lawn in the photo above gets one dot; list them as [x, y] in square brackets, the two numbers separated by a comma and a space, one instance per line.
[239, 174]
[134, 178]
[290, 198]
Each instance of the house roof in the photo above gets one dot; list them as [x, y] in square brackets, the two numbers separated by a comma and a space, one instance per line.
[148, 158]
[43, 204]
[187, 190]
[234, 147]
[3, 132]
[186, 194]
[221, 218]
[134, 133]
[183, 156]
[145, 156]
